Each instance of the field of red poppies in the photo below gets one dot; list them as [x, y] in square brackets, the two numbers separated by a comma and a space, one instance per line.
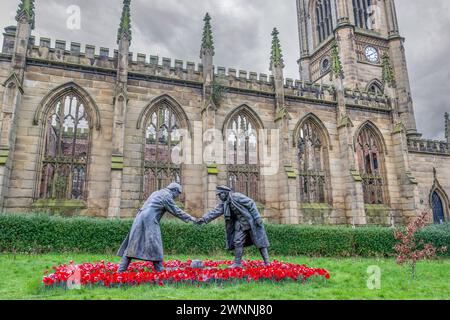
[105, 274]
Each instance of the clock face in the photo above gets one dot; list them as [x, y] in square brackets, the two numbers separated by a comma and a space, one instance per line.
[371, 54]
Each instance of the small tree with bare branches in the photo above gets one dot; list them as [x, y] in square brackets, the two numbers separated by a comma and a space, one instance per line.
[409, 249]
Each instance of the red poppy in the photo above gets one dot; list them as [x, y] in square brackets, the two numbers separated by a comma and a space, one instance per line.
[105, 274]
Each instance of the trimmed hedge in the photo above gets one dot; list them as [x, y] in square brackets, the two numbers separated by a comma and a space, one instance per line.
[43, 233]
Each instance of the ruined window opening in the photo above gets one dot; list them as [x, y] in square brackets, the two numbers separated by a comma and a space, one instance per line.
[242, 156]
[162, 151]
[368, 152]
[311, 155]
[324, 19]
[66, 150]
[362, 11]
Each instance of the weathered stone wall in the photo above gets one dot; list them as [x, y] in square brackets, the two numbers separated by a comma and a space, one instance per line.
[380, 214]
[339, 105]
[38, 82]
[140, 94]
[422, 166]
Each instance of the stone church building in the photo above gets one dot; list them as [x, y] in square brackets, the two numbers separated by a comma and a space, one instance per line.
[95, 132]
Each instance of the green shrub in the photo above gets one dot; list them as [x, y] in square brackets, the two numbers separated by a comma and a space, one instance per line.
[370, 241]
[312, 241]
[438, 235]
[42, 233]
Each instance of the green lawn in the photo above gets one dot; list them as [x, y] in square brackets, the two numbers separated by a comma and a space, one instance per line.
[21, 276]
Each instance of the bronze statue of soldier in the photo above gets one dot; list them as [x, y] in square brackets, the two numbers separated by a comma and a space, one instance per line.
[144, 241]
[244, 224]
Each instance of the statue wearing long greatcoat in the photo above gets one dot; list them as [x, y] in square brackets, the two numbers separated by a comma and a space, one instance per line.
[144, 242]
[244, 226]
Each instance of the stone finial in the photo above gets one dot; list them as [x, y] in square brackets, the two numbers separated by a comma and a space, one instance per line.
[336, 64]
[388, 71]
[276, 58]
[26, 9]
[207, 39]
[447, 123]
[125, 22]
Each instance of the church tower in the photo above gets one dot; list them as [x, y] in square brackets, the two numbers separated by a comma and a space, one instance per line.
[370, 49]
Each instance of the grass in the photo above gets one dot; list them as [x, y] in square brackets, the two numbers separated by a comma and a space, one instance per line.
[21, 277]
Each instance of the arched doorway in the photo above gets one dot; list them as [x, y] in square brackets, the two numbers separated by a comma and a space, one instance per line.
[438, 208]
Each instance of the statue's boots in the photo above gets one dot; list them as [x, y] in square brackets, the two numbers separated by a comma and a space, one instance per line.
[159, 266]
[124, 263]
[265, 256]
[238, 252]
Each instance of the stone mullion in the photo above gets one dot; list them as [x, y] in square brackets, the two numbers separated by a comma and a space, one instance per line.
[319, 23]
[357, 14]
[309, 180]
[74, 140]
[55, 178]
[362, 13]
[358, 18]
[61, 118]
[329, 19]
[365, 13]
[60, 154]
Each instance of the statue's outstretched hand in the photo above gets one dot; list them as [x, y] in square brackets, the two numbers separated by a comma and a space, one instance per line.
[193, 220]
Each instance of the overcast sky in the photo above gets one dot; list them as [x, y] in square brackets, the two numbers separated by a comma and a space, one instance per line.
[242, 28]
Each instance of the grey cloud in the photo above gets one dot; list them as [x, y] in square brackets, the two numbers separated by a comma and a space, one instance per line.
[172, 28]
[425, 25]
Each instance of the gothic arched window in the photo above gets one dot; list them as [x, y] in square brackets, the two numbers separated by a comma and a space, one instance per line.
[324, 19]
[438, 208]
[162, 164]
[369, 156]
[242, 155]
[66, 150]
[362, 10]
[311, 164]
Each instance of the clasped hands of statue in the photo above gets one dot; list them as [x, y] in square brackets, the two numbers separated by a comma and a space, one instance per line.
[201, 222]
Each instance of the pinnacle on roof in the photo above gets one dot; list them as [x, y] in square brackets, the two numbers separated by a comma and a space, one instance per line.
[125, 22]
[207, 39]
[26, 9]
[276, 55]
